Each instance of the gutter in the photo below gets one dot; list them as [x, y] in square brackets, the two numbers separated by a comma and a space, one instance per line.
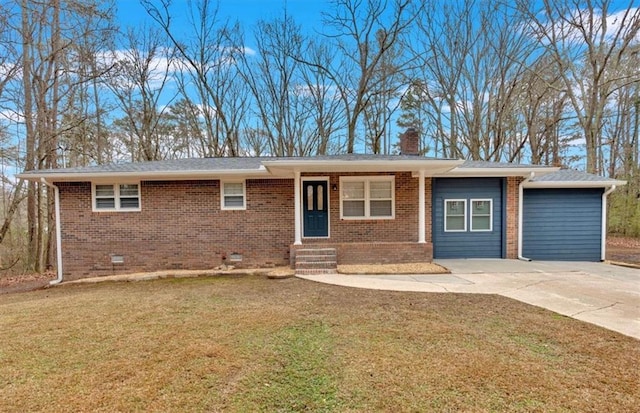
[56, 192]
[520, 214]
[576, 184]
[603, 244]
[461, 171]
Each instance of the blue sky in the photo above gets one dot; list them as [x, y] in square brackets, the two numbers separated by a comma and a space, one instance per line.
[306, 12]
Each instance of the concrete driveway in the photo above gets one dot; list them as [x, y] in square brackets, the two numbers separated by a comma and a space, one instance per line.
[598, 293]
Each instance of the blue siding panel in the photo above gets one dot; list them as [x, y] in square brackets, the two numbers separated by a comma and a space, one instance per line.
[562, 224]
[468, 244]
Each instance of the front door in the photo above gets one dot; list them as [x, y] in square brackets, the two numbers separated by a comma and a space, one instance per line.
[315, 208]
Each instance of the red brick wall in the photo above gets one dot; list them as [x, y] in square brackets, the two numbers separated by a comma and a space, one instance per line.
[512, 216]
[410, 142]
[401, 229]
[181, 225]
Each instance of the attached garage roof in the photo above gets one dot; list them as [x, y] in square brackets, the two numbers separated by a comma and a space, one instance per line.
[567, 178]
[497, 169]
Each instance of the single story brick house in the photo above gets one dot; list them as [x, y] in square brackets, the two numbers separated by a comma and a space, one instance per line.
[263, 211]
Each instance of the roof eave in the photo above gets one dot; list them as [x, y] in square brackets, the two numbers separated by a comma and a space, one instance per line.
[286, 167]
[143, 176]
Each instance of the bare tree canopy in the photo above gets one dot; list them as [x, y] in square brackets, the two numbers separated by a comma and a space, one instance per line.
[550, 82]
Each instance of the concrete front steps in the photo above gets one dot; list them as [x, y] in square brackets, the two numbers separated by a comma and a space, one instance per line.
[310, 261]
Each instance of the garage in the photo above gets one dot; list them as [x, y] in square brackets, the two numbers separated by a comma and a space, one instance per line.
[563, 224]
[468, 218]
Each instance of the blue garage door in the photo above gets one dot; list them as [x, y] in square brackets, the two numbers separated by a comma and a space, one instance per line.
[562, 224]
[468, 218]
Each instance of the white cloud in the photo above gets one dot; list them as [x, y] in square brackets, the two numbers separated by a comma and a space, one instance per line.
[249, 51]
[614, 20]
[11, 116]
[158, 67]
[10, 69]
[305, 90]
[608, 25]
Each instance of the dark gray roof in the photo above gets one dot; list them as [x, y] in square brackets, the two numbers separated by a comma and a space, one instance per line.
[219, 164]
[251, 165]
[570, 175]
[190, 164]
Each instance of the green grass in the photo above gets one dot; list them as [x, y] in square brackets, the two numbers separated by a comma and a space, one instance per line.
[298, 373]
[251, 344]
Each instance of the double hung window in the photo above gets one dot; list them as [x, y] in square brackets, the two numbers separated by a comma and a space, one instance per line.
[455, 215]
[480, 212]
[481, 215]
[367, 197]
[116, 197]
[233, 195]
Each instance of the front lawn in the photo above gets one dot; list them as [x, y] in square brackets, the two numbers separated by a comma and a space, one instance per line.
[246, 343]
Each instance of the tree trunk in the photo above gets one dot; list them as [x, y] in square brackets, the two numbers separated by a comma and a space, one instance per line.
[30, 156]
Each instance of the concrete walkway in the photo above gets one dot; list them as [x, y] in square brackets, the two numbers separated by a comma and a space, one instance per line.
[602, 294]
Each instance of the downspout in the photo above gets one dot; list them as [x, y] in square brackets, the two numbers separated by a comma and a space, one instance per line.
[520, 215]
[421, 210]
[603, 245]
[56, 192]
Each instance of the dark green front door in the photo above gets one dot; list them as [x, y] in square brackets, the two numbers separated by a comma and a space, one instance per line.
[315, 209]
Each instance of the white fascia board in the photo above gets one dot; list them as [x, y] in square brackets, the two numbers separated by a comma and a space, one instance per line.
[287, 167]
[574, 184]
[497, 172]
[146, 176]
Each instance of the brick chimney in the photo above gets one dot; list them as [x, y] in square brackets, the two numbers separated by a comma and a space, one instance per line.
[410, 142]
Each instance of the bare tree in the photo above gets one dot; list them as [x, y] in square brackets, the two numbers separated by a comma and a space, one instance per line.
[83, 135]
[188, 130]
[365, 32]
[472, 57]
[10, 66]
[384, 99]
[277, 85]
[47, 33]
[443, 39]
[209, 59]
[322, 103]
[621, 131]
[542, 106]
[142, 72]
[588, 42]
[42, 54]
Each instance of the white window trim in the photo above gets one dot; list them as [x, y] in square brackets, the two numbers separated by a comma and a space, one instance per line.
[471, 201]
[116, 195]
[244, 195]
[464, 201]
[367, 196]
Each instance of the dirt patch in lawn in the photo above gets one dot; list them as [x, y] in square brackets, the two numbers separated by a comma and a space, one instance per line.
[25, 282]
[247, 343]
[623, 250]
